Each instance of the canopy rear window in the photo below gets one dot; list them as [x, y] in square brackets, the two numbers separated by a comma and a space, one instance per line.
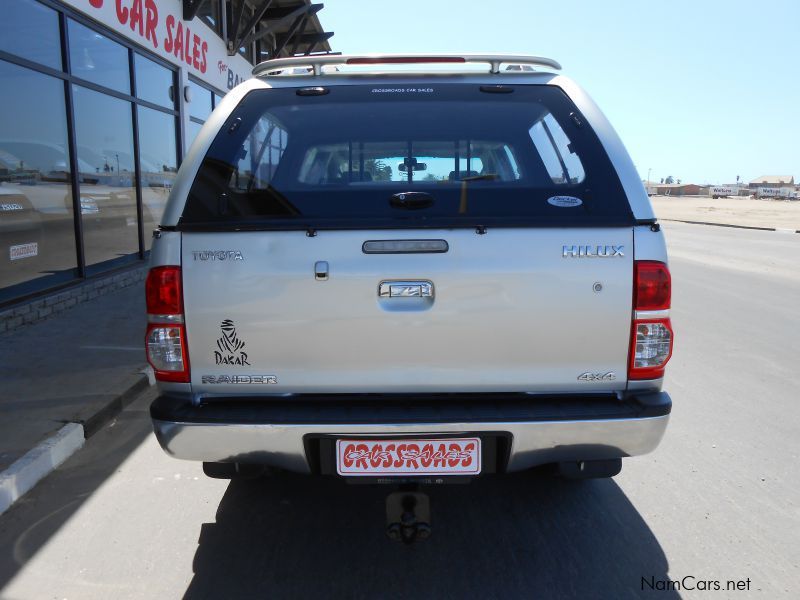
[341, 160]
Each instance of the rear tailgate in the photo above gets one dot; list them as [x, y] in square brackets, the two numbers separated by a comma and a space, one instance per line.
[506, 180]
[507, 312]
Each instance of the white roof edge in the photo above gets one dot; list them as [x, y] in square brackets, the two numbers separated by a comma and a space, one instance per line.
[317, 62]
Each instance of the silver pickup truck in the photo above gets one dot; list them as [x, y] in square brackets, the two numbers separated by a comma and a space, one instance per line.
[367, 272]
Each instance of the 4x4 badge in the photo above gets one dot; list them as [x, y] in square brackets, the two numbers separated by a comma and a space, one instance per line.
[229, 346]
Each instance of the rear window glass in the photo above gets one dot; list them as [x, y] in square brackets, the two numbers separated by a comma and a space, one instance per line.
[342, 159]
[556, 151]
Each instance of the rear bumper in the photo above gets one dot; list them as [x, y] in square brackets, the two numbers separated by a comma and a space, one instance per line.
[276, 431]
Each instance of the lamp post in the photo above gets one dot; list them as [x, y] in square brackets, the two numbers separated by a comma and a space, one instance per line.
[648, 174]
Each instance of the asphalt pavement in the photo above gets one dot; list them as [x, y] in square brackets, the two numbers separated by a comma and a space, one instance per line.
[717, 501]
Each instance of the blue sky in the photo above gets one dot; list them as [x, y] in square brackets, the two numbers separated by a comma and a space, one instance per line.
[702, 90]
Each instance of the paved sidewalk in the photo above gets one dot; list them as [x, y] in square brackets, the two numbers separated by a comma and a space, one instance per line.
[78, 367]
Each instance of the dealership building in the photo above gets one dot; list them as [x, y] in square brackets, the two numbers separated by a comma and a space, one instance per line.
[99, 100]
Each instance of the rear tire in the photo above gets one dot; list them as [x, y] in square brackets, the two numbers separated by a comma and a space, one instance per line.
[589, 469]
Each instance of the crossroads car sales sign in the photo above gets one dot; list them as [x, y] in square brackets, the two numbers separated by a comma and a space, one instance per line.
[157, 25]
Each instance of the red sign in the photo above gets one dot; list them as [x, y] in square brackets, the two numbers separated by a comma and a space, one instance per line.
[409, 457]
[143, 19]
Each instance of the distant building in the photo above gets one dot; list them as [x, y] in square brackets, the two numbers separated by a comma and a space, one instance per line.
[680, 189]
[772, 181]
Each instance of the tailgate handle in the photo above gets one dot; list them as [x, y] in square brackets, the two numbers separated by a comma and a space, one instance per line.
[405, 289]
[411, 200]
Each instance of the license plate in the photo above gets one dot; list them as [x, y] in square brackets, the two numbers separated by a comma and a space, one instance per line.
[460, 456]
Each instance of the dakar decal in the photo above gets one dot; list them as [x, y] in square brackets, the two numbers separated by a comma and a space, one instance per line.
[230, 347]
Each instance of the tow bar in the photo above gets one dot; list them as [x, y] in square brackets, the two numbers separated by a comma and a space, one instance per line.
[408, 515]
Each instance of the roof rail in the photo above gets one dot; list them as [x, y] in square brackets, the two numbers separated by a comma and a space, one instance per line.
[317, 62]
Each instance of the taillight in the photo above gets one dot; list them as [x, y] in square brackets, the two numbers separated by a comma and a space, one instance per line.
[166, 334]
[163, 291]
[651, 348]
[651, 331]
[653, 286]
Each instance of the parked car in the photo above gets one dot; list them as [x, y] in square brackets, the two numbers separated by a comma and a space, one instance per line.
[20, 229]
[411, 278]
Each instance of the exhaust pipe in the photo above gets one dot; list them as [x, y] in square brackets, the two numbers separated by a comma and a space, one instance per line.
[590, 469]
[218, 470]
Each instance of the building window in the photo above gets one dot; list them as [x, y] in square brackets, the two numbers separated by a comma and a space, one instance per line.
[202, 102]
[247, 14]
[263, 48]
[158, 165]
[98, 59]
[191, 132]
[209, 12]
[30, 30]
[86, 103]
[107, 178]
[154, 83]
[37, 240]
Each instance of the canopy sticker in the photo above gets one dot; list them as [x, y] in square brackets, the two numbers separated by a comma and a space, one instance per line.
[564, 201]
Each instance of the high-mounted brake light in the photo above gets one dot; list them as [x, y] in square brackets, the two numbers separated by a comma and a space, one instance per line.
[166, 334]
[651, 330]
[402, 60]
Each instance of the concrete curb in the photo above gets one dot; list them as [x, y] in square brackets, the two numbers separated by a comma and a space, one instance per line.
[783, 230]
[28, 470]
[133, 388]
[24, 473]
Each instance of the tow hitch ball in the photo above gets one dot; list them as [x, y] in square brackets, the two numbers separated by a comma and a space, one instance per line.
[408, 516]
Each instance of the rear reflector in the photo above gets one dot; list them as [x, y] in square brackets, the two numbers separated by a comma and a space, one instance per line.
[652, 285]
[166, 335]
[651, 348]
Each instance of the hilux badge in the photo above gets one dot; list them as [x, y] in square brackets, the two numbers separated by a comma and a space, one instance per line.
[592, 251]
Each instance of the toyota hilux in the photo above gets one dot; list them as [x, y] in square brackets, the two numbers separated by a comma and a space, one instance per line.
[412, 276]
